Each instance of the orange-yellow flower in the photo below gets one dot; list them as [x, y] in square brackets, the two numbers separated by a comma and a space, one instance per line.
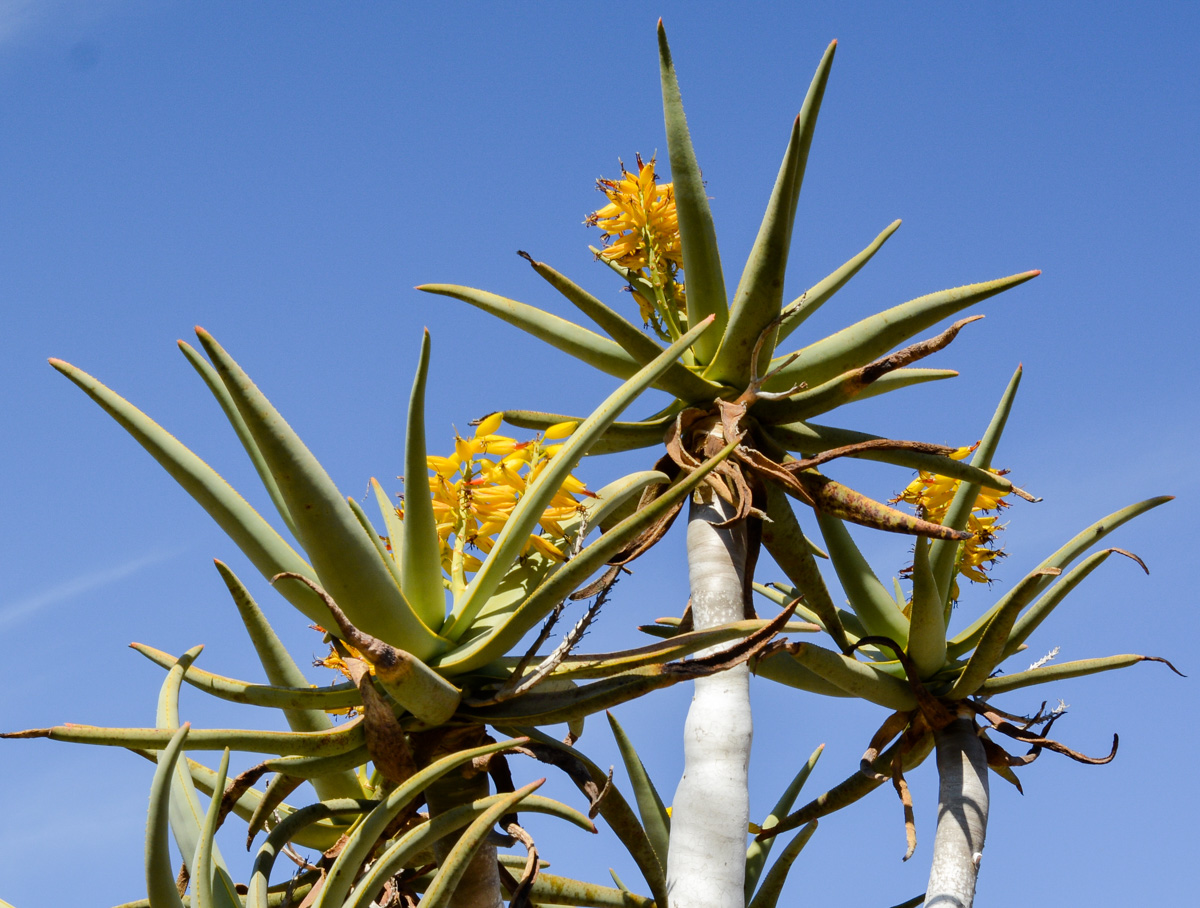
[931, 495]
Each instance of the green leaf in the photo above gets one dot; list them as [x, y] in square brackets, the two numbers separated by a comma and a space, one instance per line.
[772, 887]
[868, 597]
[812, 299]
[209, 374]
[990, 650]
[282, 671]
[860, 679]
[420, 553]
[586, 346]
[943, 555]
[620, 436]
[786, 543]
[245, 526]
[811, 438]
[698, 237]
[367, 833]
[440, 893]
[478, 652]
[757, 853]
[616, 812]
[759, 296]
[1004, 683]
[292, 699]
[676, 381]
[1079, 544]
[285, 831]
[202, 865]
[857, 384]
[347, 563]
[782, 668]
[160, 877]
[875, 335]
[1040, 610]
[927, 621]
[525, 516]
[653, 811]
[549, 889]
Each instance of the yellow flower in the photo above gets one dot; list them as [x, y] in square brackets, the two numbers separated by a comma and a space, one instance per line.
[476, 489]
[931, 495]
[640, 229]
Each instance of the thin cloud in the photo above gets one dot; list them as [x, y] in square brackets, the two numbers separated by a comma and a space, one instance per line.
[14, 612]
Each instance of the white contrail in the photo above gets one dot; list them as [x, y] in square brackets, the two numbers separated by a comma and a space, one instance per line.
[13, 612]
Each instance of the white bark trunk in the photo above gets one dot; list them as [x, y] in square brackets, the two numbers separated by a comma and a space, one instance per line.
[962, 816]
[706, 864]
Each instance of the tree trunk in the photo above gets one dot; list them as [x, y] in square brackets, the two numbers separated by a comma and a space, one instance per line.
[480, 884]
[962, 815]
[706, 864]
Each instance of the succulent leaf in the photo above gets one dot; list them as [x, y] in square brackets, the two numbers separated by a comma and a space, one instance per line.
[160, 877]
[860, 679]
[760, 849]
[344, 556]
[1062, 671]
[759, 297]
[420, 558]
[812, 299]
[873, 336]
[655, 819]
[768, 894]
[927, 620]
[872, 603]
[706, 294]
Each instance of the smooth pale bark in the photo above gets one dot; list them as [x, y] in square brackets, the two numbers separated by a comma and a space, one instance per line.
[962, 816]
[706, 863]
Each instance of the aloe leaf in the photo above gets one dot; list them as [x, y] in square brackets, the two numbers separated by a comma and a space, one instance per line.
[401, 852]
[391, 521]
[759, 297]
[245, 526]
[943, 555]
[484, 649]
[366, 834]
[616, 812]
[529, 510]
[811, 438]
[549, 889]
[990, 650]
[584, 345]
[655, 819]
[812, 299]
[381, 549]
[1040, 610]
[927, 621]
[213, 381]
[1080, 543]
[287, 829]
[679, 646]
[420, 554]
[340, 740]
[783, 595]
[440, 893]
[768, 894]
[292, 699]
[760, 849]
[202, 865]
[870, 338]
[620, 436]
[187, 818]
[160, 877]
[676, 381]
[345, 558]
[787, 544]
[782, 668]
[698, 236]
[1060, 672]
[868, 597]
[860, 679]
[842, 390]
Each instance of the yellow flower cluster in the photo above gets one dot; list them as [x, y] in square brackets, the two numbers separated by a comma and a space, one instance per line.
[932, 495]
[477, 487]
[641, 233]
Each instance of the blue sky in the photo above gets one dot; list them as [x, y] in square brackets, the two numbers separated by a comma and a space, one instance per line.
[284, 174]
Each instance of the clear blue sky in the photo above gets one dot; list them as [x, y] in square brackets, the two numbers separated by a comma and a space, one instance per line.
[285, 173]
